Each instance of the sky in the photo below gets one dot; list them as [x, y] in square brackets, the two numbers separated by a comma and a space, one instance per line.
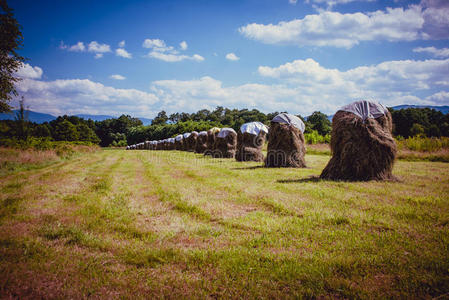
[141, 57]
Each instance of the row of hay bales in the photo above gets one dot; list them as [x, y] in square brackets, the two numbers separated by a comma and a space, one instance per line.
[362, 144]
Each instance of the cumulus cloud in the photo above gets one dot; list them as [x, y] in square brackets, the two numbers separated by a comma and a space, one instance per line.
[121, 44]
[74, 96]
[159, 50]
[78, 47]
[425, 21]
[300, 86]
[183, 45]
[232, 56]
[96, 47]
[117, 77]
[444, 52]
[331, 3]
[27, 71]
[292, 1]
[123, 53]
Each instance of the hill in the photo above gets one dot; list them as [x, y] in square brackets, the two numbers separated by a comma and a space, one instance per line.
[39, 118]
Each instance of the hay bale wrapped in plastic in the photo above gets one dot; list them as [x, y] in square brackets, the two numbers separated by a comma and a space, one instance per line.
[185, 145]
[171, 144]
[191, 141]
[362, 145]
[211, 139]
[178, 142]
[226, 143]
[153, 145]
[286, 147]
[250, 140]
[201, 142]
[147, 145]
[127, 147]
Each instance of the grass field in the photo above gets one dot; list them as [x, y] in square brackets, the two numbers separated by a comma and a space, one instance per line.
[145, 224]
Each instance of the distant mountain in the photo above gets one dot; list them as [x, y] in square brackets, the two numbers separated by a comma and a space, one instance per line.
[443, 109]
[40, 118]
[32, 116]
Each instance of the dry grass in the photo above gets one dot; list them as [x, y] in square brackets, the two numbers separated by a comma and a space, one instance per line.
[165, 224]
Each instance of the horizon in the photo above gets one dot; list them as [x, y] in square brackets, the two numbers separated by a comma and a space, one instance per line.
[142, 57]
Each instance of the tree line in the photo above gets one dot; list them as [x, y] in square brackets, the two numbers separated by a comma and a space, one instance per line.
[126, 130]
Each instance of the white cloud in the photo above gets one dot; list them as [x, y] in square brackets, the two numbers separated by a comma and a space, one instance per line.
[96, 47]
[98, 55]
[300, 86]
[428, 20]
[117, 77]
[183, 45]
[440, 98]
[155, 43]
[74, 96]
[341, 30]
[232, 56]
[161, 51]
[123, 53]
[78, 47]
[444, 52]
[121, 44]
[27, 71]
[292, 2]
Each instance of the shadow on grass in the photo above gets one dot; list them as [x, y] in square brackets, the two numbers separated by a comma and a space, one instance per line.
[300, 180]
[249, 168]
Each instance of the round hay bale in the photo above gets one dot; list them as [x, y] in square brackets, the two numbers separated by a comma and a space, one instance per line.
[362, 145]
[127, 148]
[286, 146]
[226, 143]
[201, 142]
[147, 145]
[191, 141]
[171, 144]
[250, 140]
[211, 139]
[184, 141]
[178, 142]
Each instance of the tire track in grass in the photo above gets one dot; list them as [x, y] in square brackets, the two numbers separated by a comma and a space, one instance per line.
[40, 191]
[176, 199]
[229, 187]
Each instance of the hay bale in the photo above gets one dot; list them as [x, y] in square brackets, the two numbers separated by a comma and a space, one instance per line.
[201, 142]
[184, 141]
[211, 139]
[226, 143]
[147, 145]
[286, 146]
[171, 144]
[362, 145]
[191, 141]
[178, 142]
[250, 140]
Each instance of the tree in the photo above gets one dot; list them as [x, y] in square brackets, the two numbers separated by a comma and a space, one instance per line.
[11, 40]
[22, 120]
[319, 122]
[161, 118]
[65, 131]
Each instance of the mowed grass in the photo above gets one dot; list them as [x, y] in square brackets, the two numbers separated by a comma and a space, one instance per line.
[168, 224]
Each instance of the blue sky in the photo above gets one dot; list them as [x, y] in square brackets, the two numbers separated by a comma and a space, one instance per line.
[141, 57]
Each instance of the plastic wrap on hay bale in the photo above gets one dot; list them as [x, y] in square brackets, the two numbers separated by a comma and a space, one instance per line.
[211, 139]
[286, 147]
[226, 143]
[184, 141]
[362, 145]
[178, 142]
[250, 140]
[201, 142]
[191, 141]
[147, 145]
[171, 144]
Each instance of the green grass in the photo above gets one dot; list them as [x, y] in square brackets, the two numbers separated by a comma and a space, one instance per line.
[159, 224]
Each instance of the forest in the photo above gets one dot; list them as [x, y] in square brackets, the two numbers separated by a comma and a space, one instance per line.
[124, 130]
